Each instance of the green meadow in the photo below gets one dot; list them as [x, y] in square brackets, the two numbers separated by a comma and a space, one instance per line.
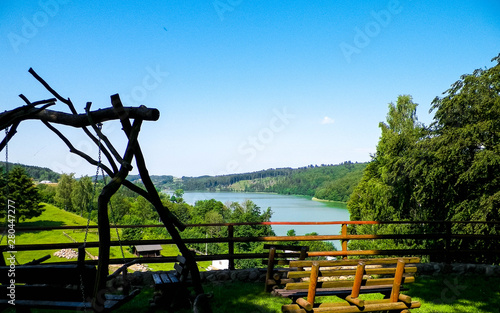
[53, 216]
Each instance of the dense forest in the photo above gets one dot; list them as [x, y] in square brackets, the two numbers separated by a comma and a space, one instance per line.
[449, 170]
[328, 182]
[36, 172]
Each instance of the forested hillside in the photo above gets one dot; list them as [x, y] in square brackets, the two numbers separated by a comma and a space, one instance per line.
[328, 182]
[449, 170]
[36, 172]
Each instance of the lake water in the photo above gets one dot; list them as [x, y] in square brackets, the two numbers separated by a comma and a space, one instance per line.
[285, 209]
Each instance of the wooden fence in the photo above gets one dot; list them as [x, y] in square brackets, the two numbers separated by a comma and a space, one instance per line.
[441, 234]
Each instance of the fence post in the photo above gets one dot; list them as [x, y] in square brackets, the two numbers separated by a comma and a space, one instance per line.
[344, 241]
[230, 249]
[447, 245]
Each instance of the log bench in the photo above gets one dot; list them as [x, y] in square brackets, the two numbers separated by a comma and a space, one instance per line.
[171, 288]
[347, 279]
[275, 277]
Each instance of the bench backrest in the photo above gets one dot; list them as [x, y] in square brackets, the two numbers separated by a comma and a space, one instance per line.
[355, 276]
[181, 269]
[280, 255]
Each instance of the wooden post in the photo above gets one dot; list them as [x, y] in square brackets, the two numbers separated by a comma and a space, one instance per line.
[358, 279]
[311, 293]
[303, 255]
[447, 246]
[230, 249]
[344, 241]
[398, 279]
[270, 266]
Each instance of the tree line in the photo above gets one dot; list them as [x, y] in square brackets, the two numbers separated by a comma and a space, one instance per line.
[79, 196]
[327, 182]
[449, 170]
[36, 172]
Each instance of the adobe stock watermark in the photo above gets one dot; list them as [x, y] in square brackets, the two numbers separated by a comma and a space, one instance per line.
[451, 292]
[151, 80]
[11, 260]
[31, 26]
[249, 148]
[363, 36]
[223, 6]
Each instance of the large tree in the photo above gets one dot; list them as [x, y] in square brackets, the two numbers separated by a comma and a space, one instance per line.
[448, 171]
[64, 191]
[384, 192]
[82, 194]
[23, 194]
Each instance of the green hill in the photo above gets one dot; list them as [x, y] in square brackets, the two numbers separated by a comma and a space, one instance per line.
[327, 182]
[36, 172]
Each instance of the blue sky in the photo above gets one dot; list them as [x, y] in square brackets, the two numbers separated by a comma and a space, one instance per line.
[241, 85]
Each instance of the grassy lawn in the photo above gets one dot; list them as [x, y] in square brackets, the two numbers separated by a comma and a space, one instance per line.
[443, 293]
[53, 216]
[450, 293]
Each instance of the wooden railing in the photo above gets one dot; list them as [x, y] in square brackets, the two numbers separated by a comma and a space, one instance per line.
[442, 234]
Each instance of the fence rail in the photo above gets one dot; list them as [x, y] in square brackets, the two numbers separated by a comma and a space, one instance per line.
[444, 233]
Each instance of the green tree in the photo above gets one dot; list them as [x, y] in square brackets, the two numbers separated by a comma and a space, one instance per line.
[47, 193]
[24, 193]
[385, 190]
[177, 196]
[143, 210]
[448, 171]
[82, 194]
[64, 190]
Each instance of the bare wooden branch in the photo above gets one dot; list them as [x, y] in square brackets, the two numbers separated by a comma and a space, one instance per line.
[104, 138]
[52, 91]
[10, 134]
[81, 154]
[102, 207]
[99, 116]
[8, 118]
[169, 220]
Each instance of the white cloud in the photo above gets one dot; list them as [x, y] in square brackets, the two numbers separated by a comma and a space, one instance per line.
[327, 120]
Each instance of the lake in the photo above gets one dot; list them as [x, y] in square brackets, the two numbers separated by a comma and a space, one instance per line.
[285, 209]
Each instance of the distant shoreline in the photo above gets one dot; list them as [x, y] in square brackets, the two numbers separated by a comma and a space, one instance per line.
[329, 201]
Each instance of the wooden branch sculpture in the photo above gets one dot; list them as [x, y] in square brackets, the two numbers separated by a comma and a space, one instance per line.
[119, 166]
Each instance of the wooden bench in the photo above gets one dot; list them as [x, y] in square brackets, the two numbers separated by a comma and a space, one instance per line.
[171, 288]
[347, 279]
[56, 287]
[279, 255]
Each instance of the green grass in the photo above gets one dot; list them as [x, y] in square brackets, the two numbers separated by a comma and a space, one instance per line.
[53, 216]
[443, 293]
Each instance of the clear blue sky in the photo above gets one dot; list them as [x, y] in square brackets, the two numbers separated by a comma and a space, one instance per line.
[241, 85]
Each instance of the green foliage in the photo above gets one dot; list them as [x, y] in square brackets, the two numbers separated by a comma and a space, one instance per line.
[82, 195]
[447, 171]
[19, 188]
[64, 191]
[36, 172]
[215, 212]
[328, 182]
[47, 193]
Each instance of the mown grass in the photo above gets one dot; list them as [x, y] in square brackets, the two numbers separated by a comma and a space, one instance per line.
[53, 216]
[442, 293]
